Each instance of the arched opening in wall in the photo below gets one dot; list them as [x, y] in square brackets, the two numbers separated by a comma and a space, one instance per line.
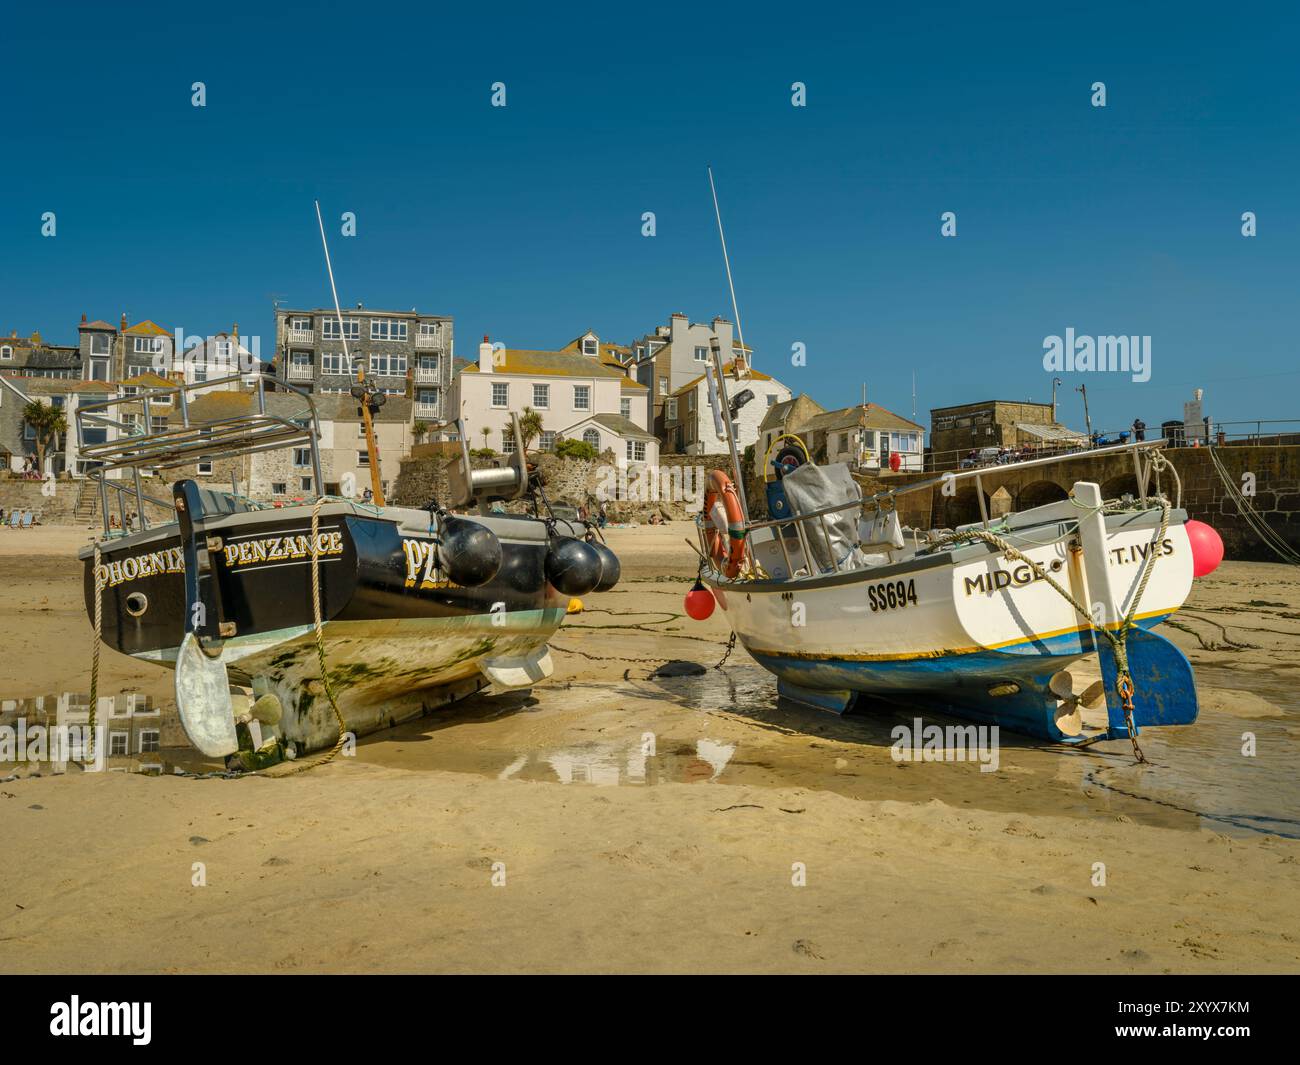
[960, 509]
[1040, 493]
[1124, 484]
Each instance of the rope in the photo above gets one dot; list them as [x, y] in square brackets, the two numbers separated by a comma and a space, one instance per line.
[1247, 510]
[89, 754]
[320, 645]
[1118, 639]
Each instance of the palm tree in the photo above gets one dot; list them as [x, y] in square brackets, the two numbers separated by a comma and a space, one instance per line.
[487, 432]
[48, 423]
[530, 427]
[419, 429]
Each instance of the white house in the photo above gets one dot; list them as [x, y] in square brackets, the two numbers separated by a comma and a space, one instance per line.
[688, 425]
[567, 388]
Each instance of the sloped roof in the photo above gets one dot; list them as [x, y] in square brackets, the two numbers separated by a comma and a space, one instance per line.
[1054, 431]
[870, 416]
[615, 423]
[148, 380]
[753, 374]
[547, 363]
[146, 328]
[96, 324]
[57, 386]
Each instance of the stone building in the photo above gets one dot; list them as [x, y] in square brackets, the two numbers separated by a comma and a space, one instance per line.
[996, 423]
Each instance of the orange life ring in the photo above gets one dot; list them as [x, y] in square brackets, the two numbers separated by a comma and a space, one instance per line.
[724, 548]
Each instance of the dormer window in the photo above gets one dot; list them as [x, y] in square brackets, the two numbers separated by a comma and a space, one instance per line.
[590, 345]
[6, 352]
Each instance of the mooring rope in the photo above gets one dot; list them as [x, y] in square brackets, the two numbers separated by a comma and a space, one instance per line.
[89, 754]
[320, 646]
[1118, 639]
[1247, 510]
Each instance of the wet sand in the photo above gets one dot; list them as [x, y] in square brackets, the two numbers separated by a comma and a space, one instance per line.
[610, 821]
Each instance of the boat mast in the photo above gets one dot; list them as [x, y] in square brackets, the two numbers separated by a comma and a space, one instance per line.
[372, 449]
[718, 360]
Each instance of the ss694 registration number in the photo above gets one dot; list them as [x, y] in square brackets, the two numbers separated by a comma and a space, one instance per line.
[891, 596]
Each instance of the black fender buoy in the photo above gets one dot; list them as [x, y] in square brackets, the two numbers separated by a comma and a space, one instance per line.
[610, 569]
[572, 566]
[469, 552]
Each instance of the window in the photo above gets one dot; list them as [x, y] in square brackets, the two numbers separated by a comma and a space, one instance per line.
[671, 411]
[592, 437]
[332, 362]
[590, 346]
[329, 329]
[500, 394]
[701, 353]
[625, 407]
[690, 401]
[902, 442]
[640, 351]
[363, 459]
[393, 365]
[301, 325]
[663, 386]
[771, 399]
[99, 343]
[636, 450]
[429, 329]
[361, 430]
[387, 329]
[99, 369]
[302, 456]
[148, 741]
[205, 469]
[6, 352]
[279, 488]
[542, 397]
[146, 345]
[507, 443]
[305, 484]
[427, 365]
[133, 369]
[200, 374]
[117, 742]
[582, 397]
[546, 442]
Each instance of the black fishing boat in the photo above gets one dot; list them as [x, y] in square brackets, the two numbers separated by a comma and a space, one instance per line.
[338, 615]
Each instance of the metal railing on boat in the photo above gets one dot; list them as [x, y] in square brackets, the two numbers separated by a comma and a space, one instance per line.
[254, 431]
[881, 500]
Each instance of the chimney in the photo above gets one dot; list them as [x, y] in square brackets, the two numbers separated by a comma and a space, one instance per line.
[485, 355]
[234, 332]
[124, 321]
[83, 317]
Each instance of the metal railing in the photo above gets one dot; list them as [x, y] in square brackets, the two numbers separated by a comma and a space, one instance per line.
[127, 447]
[883, 500]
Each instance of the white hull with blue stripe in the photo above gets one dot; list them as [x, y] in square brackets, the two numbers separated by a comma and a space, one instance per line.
[962, 629]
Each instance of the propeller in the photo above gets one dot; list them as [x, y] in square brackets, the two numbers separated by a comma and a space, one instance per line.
[1069, 716]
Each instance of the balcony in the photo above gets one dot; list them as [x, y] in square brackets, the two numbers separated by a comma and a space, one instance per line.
[299, 373]
[427, 374]
[426, 410]
[302, 336]
[428, 342]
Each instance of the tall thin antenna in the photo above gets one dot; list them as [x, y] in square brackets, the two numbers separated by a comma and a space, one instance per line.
[913, 395]
[372, 449]
[726, 261]
[338, 312]
[719, 363]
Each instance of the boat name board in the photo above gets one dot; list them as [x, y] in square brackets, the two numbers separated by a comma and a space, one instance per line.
[122, 570]
[1138, 552]
[281, 549]
[421, 564]
[999, 579]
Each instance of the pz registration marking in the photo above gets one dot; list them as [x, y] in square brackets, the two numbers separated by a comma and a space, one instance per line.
[891, 596]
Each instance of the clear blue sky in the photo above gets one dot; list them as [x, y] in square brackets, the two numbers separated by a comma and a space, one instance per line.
[525, 222]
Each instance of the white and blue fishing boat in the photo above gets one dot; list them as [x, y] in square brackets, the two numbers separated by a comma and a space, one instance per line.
[843, 604]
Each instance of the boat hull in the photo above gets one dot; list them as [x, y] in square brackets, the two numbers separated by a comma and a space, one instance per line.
[966, 632]
[400, 638]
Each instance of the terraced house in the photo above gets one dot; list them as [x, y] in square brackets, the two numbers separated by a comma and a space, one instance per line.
[404, 353]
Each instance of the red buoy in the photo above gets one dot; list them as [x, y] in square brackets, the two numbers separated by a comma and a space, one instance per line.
[699, 602]
[1207, 547]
